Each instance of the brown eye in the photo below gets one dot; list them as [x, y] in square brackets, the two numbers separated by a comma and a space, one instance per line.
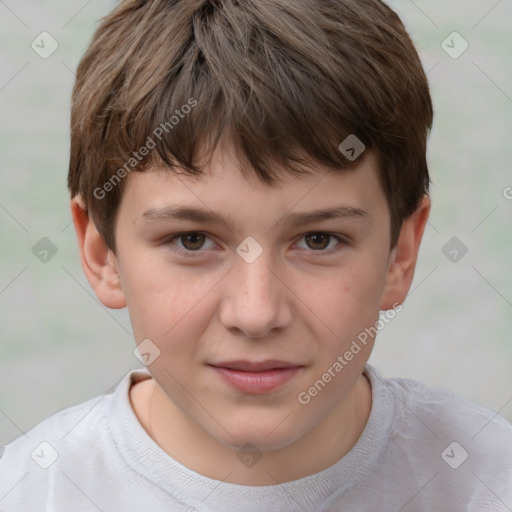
[192, 241]
[317, 241]
[322, 243]
[189, 244]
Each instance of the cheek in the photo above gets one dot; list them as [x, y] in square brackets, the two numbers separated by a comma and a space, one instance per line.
[166, 307]
[350, 300]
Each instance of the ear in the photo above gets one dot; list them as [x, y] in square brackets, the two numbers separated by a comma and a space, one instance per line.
[403, 257]
[98, 261]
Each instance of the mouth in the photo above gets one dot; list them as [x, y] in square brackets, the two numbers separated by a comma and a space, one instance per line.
[253, 366]
[256, 377]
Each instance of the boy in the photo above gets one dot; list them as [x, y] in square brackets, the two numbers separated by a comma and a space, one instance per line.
[260, 129]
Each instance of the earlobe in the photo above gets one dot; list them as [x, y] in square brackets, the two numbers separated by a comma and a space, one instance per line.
[404, 256]
[98, 261]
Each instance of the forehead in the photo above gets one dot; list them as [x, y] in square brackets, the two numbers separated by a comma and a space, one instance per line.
[224, 189]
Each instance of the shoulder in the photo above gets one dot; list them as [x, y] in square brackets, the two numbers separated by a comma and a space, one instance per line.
[63, 431]
[76, 437]
[442, 417]
[30, 464]
[462, 450]
[64, 459]
[446, 409]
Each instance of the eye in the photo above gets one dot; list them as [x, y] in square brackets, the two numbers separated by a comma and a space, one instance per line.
[191, 241]
[318, 241]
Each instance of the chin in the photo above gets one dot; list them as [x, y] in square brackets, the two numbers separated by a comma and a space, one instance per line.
[269, 435]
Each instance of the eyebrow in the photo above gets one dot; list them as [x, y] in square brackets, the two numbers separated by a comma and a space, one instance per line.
[200, 215]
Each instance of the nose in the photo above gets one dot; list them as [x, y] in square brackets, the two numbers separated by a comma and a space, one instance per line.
[255, 298]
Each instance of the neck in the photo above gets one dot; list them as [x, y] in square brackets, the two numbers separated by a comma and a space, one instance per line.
[187, 442]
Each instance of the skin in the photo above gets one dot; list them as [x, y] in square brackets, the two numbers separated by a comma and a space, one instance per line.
[298, 301]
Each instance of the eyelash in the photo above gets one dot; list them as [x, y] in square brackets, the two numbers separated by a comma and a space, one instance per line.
[168, 241]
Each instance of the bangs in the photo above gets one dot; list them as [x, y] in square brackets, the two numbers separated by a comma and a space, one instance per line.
[285, 83]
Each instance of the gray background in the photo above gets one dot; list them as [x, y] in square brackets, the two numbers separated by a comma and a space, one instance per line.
[59, 346]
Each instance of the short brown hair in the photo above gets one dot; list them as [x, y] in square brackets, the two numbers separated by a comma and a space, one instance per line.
[286, 81]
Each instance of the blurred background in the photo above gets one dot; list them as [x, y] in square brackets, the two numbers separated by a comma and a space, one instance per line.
[59, 346]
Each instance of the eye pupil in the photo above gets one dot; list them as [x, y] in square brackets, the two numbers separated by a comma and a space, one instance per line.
[316, 238]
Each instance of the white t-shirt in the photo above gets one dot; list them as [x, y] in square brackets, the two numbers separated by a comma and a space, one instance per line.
[421, 450]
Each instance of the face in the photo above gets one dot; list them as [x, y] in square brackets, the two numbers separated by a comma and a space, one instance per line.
[265, 283]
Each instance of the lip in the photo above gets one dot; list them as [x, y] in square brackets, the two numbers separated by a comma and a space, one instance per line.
[256, 377]
[254, 366]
